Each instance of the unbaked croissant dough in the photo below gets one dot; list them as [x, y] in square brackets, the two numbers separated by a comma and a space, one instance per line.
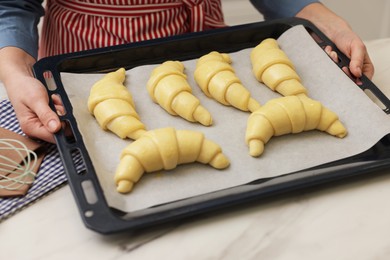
[272, 67]
[217, 79]
[113, 107]
[291, 114]
[168, 87]
[165, 148]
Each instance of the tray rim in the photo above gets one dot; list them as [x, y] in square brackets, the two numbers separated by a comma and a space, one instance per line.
[101, 218]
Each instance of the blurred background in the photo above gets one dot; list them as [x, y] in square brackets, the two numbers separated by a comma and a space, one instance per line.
[369, 19]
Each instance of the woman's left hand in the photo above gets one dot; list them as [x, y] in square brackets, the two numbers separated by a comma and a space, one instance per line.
[339, 32]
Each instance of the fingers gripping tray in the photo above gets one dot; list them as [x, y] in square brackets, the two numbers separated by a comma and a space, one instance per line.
[76, 141]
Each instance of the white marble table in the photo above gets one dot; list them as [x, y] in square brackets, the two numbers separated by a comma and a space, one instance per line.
[345, 221]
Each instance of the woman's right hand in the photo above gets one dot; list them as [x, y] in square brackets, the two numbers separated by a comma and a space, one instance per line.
[27, 95]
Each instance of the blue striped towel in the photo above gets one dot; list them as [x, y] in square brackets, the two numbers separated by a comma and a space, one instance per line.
[51, 174]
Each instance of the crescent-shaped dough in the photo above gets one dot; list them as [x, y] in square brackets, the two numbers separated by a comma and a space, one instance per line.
[291, 114]
[113, 106]
[271, 66]
[165, 148]
[217, 79]
[168, 87]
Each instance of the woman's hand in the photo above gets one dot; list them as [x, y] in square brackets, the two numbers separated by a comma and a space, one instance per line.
[339, 32]
[27, 95]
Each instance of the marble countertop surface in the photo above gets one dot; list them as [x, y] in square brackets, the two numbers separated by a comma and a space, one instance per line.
[349, 220]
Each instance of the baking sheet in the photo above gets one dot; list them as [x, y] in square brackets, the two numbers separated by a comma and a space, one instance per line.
[365, 122]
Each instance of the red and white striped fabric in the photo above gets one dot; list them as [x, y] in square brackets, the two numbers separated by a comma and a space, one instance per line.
[76, 25]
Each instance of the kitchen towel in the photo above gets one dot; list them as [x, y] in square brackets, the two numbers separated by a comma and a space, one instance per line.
[51, 173]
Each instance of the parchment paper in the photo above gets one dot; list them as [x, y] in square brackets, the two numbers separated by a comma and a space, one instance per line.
[365, 121]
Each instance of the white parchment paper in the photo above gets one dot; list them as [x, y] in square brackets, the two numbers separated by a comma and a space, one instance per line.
[365, 121]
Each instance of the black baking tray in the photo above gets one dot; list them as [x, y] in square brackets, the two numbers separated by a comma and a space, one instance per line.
[94, 210]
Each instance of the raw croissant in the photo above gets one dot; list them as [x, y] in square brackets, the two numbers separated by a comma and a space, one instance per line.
[291, 114]
[165, 148]
[271, 66]
[217, 79]
[169, 88]
[113, 107]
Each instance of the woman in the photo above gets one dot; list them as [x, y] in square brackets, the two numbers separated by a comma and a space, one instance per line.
[75, 25]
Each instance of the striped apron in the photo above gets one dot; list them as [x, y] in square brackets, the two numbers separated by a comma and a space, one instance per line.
[76, 25]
